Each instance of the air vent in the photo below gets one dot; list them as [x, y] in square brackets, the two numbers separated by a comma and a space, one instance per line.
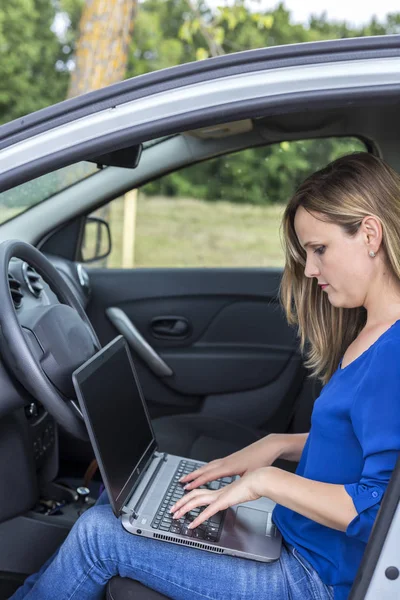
[160, 536]
[15, 289]
[32, 280]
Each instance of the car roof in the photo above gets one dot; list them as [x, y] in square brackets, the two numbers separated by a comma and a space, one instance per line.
[231, 87]
[274, 57]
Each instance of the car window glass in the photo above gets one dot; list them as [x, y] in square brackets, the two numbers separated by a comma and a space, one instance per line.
[224, 212]
[22, 197]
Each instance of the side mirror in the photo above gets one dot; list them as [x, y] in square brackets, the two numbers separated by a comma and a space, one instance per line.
[96, 240]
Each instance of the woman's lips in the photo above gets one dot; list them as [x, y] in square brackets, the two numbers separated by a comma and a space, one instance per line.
[324, 285]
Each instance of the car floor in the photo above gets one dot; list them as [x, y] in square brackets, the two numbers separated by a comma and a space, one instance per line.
[9, 583]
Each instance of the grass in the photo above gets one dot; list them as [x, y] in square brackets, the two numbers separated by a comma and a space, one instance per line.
[185, 232]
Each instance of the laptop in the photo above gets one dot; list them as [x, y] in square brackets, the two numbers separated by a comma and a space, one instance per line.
[142, 482]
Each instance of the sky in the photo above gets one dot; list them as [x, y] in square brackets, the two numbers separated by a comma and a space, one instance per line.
[356, 12]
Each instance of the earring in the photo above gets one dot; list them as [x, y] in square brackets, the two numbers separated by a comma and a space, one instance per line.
[372, 254]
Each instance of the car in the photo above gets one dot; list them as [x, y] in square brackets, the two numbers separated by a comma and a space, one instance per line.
[210, 343]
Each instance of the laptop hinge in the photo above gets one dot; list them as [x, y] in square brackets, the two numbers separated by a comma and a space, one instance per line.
[134, 513]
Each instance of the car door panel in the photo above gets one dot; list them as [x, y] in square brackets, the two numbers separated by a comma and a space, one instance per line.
[211, 370]
[226, 352]
[238, 347]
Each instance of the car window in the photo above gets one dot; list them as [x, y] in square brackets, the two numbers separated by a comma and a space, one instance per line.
[224, 212]
[22, 197]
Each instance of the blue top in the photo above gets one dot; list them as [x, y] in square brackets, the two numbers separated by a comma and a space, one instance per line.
[354, 441]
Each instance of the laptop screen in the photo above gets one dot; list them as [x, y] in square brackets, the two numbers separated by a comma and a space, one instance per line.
[116, 418]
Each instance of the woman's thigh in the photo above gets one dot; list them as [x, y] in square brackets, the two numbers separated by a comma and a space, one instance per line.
[180, 572]
[184, 573]
[98, 548]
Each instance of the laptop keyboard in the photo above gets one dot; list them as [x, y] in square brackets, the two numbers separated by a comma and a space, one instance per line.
[209, 530]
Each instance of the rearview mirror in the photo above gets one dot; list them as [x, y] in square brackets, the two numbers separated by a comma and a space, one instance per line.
[127, 158]
[96, 241]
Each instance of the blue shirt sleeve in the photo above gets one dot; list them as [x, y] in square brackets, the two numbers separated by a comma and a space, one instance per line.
[375, 417]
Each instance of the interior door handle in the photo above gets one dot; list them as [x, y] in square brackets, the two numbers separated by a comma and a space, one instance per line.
[136, 341]
[170, 327]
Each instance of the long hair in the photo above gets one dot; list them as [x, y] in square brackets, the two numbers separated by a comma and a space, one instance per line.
[343, 192]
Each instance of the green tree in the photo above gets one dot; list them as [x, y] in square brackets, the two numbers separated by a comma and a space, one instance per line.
[29, 51]
[35, 63]
[264, 175]
[156, 43]
[260, 175]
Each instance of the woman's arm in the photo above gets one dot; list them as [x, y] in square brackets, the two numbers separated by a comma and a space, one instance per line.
[326, 503]
[289, 445]
[260, 454]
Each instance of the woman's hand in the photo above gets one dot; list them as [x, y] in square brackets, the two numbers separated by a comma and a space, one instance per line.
[260, 454]
[242, 490]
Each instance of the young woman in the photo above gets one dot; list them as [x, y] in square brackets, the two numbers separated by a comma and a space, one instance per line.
[341, 286]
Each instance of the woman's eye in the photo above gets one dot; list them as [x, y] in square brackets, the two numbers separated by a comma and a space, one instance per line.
[320, 250]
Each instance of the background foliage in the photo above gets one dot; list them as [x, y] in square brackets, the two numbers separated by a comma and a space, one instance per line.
[36, 56]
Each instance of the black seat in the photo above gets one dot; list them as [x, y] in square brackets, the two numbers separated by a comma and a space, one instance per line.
[121, 588]
[200, 438]
[206, 438]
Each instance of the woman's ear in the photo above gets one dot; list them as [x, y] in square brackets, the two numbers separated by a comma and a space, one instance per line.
[371, 227]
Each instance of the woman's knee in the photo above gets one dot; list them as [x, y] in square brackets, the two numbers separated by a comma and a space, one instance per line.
[96, 528]
[101, 541]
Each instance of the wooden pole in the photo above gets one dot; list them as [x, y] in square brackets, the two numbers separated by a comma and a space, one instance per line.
[129, 229]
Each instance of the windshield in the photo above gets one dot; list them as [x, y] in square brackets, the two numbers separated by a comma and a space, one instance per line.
[22, 197]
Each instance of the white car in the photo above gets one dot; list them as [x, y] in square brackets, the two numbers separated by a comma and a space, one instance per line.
[210, 342]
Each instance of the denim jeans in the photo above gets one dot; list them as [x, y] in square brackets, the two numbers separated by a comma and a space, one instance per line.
[98, 548]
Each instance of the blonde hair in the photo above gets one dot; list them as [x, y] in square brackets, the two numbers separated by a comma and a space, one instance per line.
[344, 192]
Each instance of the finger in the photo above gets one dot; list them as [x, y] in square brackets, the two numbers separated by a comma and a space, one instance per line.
[197, 472]
[222, 502]
[199, 500]
[186, 498]
[192, 475]
[204, 478]
[189, 497]
[207, 513]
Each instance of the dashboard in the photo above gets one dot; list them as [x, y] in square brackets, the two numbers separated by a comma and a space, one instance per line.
[28, 433]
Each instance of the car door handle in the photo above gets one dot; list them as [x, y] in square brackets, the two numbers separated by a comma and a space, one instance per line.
[136, 341]
[170, 327]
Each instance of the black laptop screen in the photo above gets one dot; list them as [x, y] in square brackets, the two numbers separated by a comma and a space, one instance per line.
[115, 416]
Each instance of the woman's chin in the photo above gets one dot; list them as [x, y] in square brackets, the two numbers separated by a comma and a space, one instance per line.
[334, 299]
[340, 303]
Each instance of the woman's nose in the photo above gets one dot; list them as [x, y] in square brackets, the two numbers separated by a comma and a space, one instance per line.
[311, 269]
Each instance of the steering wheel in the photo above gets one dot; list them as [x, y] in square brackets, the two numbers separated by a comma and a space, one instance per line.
[44, 343]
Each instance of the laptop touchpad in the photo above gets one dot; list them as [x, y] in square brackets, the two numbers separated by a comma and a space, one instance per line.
[251, 520]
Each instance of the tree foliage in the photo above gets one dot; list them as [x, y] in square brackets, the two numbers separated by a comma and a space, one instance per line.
[36, 62]
[264, 175]
[29, 51]
[171, 32]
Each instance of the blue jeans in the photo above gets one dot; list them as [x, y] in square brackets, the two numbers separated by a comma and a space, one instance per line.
[98, 548]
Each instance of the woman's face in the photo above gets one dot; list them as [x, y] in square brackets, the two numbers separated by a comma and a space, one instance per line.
[340, 263]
